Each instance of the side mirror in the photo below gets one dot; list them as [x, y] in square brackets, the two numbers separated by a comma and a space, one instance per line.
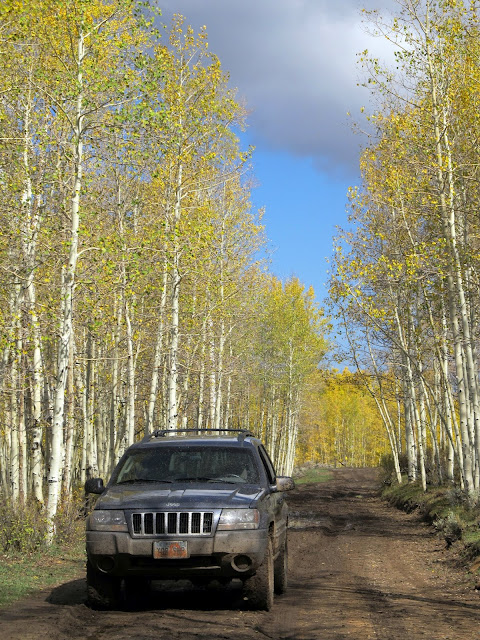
[285, 483]
[94, 485]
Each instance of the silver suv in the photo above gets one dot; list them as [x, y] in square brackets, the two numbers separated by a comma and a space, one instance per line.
[189, 505]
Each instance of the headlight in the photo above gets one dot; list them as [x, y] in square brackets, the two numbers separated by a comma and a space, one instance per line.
[239, 519]
[107, 520]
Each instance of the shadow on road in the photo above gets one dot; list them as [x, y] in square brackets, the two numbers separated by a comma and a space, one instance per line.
[162, 595]
[69, 593]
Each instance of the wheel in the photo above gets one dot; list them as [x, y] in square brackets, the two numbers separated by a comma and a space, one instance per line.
[103, 591]
[137, 591]
[280, 570]
[259, 587]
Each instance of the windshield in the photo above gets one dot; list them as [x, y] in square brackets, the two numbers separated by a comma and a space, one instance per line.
[188, 464]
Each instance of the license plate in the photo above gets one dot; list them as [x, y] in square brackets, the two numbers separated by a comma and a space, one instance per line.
[170, 549]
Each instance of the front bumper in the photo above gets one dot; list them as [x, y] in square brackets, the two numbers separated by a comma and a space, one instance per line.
[227, 554]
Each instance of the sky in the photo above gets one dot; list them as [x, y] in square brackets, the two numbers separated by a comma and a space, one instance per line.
[294, 64]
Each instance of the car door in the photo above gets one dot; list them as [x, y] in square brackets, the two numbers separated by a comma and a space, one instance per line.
[277, 501]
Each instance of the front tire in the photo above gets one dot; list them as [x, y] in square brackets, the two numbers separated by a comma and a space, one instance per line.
[259, 588]
[280, 570]
[103, 590]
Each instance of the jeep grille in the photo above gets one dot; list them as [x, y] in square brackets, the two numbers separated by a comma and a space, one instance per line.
[172, 523]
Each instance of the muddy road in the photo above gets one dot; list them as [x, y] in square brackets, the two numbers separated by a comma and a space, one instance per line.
[358, 569]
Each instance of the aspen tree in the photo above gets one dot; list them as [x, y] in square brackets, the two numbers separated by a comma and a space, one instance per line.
[87, 26]
[415, 214]
[134, 293]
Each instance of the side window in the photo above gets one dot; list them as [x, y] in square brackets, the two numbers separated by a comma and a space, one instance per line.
[267, 463]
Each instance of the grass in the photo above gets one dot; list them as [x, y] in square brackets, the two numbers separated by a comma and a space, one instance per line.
[27, 563]
[21, 575]
[446, 509]
[314, 475]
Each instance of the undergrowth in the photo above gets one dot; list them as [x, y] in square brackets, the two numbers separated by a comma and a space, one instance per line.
[24, 527]
[21, 575]
[27, 564]
[445, 507]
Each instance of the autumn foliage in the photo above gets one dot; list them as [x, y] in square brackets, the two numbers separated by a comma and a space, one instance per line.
[405, 279]
[134, 293]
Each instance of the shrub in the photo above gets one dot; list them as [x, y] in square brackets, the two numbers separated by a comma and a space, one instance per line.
[387, 467]
[70, 518]
[23, 527]
[450, 527]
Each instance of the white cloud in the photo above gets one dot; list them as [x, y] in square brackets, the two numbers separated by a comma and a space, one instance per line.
[294, 62]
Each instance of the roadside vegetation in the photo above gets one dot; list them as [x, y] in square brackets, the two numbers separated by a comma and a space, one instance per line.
[22, 574]
[455, 518]
[27, 564]
[405, 277]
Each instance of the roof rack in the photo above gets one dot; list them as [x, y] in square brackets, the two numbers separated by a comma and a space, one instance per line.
[162, 433]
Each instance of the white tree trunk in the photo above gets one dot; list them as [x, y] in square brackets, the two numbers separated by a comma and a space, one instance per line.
[201, 378]
[456, 294]
[172, 379]
[92, 456]
[55, 471]
[130, 428]
[70, 427]
[158, 356]
[212, 376]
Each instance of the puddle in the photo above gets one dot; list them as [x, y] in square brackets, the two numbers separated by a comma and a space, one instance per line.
[310, 521]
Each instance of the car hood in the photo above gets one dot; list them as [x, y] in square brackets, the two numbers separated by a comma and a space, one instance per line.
[147, 497]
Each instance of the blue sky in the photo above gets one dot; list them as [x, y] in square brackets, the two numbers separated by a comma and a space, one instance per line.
[294, 63]
[303, 205]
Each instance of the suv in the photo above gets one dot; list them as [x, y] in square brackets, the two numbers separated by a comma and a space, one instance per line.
[195, 506]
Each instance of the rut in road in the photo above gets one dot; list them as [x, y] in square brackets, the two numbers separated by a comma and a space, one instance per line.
[358, 569]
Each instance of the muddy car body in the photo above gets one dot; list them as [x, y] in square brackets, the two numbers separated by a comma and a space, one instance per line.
[196, 507]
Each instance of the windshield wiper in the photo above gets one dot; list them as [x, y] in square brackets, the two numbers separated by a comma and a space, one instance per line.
[133, 480]
[193, 479]
[205, 479]
[190, 479]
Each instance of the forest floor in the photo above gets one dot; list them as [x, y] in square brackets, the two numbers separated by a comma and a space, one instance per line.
[358, 569]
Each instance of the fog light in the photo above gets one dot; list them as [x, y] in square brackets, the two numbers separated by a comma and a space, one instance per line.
[241, 563]
[106, 563]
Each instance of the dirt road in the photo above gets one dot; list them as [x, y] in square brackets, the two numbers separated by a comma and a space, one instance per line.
[358, 569]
